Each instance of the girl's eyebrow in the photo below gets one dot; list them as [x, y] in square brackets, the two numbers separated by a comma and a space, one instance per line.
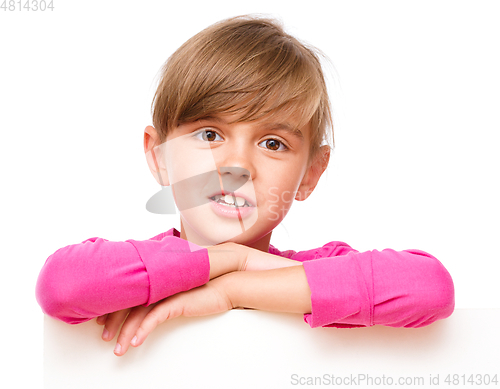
[285, 127]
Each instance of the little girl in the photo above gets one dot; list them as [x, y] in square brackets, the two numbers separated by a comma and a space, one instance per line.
[240, 116]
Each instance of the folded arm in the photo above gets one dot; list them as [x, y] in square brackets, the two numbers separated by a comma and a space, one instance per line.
[394, 288]
[90, 279]
[408, 288]
[82, 281]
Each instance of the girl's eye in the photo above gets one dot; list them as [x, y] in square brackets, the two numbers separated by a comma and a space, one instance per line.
[274, 145]
[208, 135]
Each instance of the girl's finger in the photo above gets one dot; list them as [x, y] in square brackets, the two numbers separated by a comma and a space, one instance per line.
[113, 322]
[160, 313]
[129, 329]
[101, 320]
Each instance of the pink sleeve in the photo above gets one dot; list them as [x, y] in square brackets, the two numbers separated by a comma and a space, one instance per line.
[86, 280]
[409, 288]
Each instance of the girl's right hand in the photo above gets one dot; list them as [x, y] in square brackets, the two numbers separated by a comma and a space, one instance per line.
[224, 258]
[260, 260]
[112, 322]
[228, 257]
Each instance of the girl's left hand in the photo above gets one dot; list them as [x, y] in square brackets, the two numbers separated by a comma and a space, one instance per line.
[204, 300]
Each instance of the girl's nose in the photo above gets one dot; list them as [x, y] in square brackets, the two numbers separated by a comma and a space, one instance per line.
[233, 177]
[236, 160]
[235, 171]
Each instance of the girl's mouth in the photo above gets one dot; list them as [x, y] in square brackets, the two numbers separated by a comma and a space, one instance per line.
[231, 207]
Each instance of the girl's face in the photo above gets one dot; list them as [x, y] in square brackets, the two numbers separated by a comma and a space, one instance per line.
[236, 182]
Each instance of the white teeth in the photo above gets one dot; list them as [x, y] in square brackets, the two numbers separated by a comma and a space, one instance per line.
[240, 202]
[229, 199]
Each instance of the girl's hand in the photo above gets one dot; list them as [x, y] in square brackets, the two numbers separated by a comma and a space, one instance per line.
[228, 257]
[204, 300]
[259, 260]
[224, 258]
[112, 322]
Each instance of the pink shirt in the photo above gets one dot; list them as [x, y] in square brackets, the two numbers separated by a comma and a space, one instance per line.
[408, 288]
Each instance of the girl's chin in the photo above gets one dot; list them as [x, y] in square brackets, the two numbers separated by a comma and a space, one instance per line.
[210, 239]
[211, 232]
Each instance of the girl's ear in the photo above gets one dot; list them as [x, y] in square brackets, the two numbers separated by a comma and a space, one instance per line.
[313, 173]
[154, 156]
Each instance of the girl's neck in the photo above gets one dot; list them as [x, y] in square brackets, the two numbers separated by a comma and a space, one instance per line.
[261, 244]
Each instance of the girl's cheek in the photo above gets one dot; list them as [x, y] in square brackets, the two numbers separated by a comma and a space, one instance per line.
[186, 158]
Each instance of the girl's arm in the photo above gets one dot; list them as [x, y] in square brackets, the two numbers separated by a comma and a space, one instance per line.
[408, 288]
[90, 279]
[287, 286]
[276, 290]
[82, 281]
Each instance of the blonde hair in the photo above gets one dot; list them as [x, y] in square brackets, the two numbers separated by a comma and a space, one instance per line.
[245, 65]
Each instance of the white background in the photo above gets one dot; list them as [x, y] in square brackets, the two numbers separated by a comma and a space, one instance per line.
[416, 94]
